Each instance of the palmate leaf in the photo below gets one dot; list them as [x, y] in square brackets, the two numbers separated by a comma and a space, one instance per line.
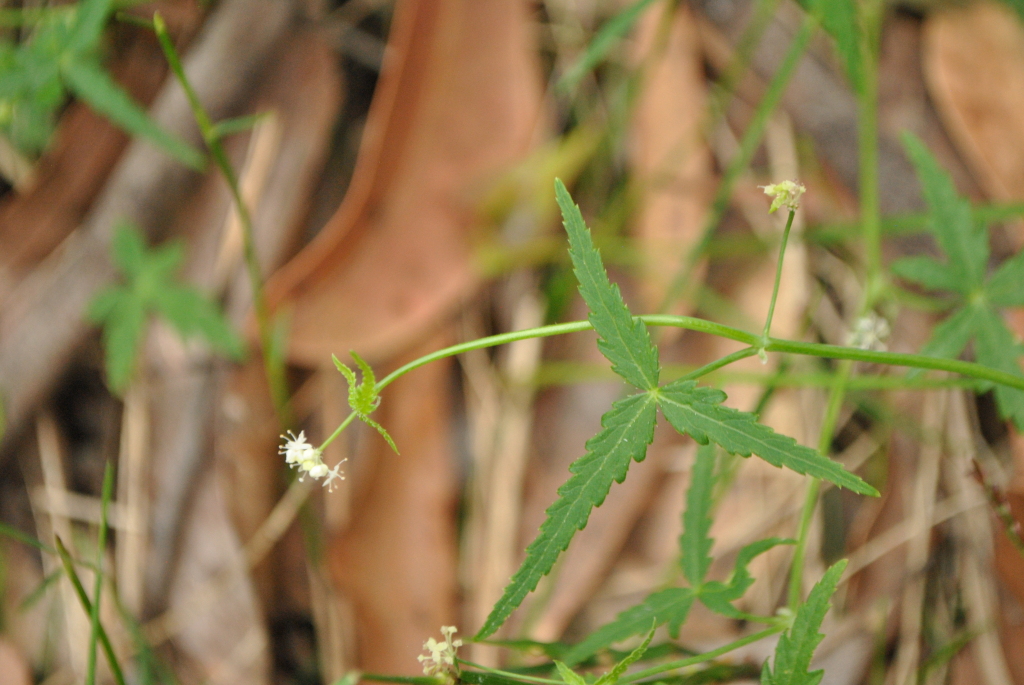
[795, 649]
[699, 413]
[995, 346]
[628, 429]
[718, 597]
[621, 338]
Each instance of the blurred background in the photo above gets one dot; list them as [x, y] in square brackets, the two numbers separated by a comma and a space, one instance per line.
[400, 181]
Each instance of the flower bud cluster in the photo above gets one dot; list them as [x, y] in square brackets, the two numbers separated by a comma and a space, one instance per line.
[440, 659]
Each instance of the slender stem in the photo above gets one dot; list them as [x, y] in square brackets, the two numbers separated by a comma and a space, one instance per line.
[94, 615]
[970, 369]
[828, 427]
[510, 675]
[76, 583]
[748, 146]
[701, 658]
[724, 361]
[274, 372]
[412, 679]
[867, 135]
[778, 276]
[337, 431]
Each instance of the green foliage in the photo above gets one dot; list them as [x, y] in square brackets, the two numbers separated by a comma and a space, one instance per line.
[150, 288]
[621, 338]
[672, 605]
[699, 413]
[839, 19]
[974, 297]
[363, 397]
[609, 34]
[796, 647]
[62, 54]
[627, 430]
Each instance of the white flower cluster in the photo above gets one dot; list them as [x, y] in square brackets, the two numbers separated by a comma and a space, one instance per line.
[440, 659]
[784, 194]
[309, 460]
[869, 333]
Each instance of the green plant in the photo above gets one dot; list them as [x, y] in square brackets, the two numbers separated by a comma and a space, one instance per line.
[59, 55]
[150, 288]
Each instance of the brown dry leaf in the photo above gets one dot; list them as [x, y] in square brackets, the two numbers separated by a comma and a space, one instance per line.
[458, 101]
[396, 559]
[973, 60]
[13, 667]
[669, 158]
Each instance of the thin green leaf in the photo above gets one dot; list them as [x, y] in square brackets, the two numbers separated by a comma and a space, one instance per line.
[227, 127]
[612, 676]
[76, 583]
[106, 302]
[94, 616]
[610, 33]
[624, 340]
[839, 19]
[964, 242]
[1004, 289]
[25, 538]
[569, 676]
[93, 85]
[380, 429]
[40, 591]
[628, 429]
[694, 542]
[995, 346]
[670, 606]
[91, 17]
[699, 413]
[719, 596]
[926, 272]
[796, 648]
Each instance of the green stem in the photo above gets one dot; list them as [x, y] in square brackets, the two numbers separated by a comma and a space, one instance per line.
[970, 369]
[274, 371]
[748, 146]
[337, 431]
[701, 658]
[76, 583]
[412, 679]
[724, 361]
[867, 135]
[94, 615]
[512, 676]
[778, 277]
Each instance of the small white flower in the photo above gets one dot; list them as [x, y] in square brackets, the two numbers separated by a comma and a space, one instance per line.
[784, 194]
[442, 655]
[308, 459]
[333, 475]
[869, 333]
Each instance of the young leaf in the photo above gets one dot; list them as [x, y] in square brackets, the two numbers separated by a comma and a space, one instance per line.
[362, 397]
[839, 19]
[612, 676]
[995, 346]
[670, 606]
[699, 413]
[694, 542]
[621, 338]
[1004, 287]
[628, 429]
[926, 272]
[191, 312]
[795, 649]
